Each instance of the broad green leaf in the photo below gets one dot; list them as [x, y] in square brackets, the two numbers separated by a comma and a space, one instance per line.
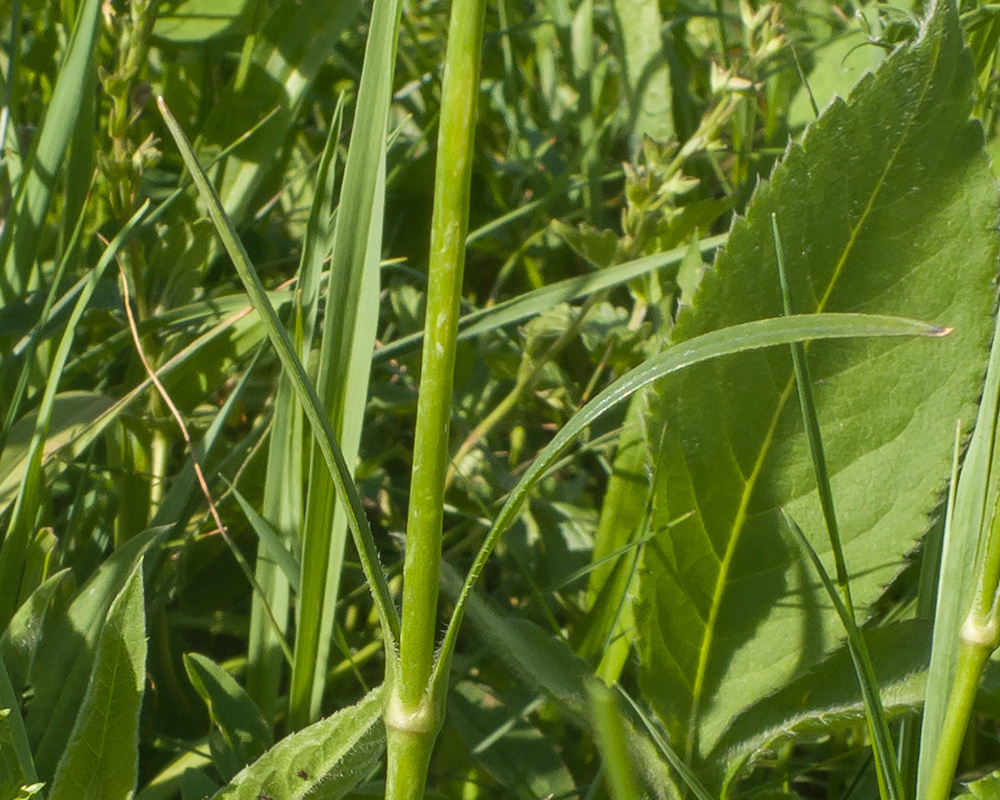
[886, 206]
[64, 661]
[324, 761]
[243, 732]
[101, 759]
[827, 698]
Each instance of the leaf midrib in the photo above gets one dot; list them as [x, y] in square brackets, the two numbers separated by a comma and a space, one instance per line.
[750, 484]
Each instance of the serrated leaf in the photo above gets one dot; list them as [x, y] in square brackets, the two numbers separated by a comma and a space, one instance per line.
[101, 760]
[887, 206]
[324, 761]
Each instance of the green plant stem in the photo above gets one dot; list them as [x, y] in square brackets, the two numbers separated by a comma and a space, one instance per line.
[412, 717]
[972, 658]
[978, 638]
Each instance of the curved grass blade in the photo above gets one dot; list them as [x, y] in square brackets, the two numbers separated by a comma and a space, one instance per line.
[304, 390]
[735, 339]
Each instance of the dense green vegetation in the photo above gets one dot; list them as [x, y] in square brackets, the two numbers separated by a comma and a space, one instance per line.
[685, 488]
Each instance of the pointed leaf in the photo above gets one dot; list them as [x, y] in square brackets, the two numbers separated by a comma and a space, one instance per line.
[886, 206]
[64, 662]
[101, 760]
[244, 733]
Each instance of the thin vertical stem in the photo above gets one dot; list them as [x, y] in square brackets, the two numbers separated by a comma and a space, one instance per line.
[412, 717]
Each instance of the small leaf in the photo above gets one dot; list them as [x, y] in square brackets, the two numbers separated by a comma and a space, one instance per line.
[244, 733]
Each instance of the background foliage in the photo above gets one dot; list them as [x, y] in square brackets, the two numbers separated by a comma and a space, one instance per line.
[618, 145]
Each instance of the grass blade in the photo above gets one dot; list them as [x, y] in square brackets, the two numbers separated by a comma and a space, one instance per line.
[966, 522]
[22, 232]
[890, 781]
[304, 390]
[349, 328]
[735, 339]
[535, 302]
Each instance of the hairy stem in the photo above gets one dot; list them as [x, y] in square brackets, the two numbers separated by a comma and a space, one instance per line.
[410, 745]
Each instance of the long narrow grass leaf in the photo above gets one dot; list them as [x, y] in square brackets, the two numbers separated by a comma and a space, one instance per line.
[890, 781]
[271, 541]
[304, 389]
[535, 302]
[21, 234]
[349, 326]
